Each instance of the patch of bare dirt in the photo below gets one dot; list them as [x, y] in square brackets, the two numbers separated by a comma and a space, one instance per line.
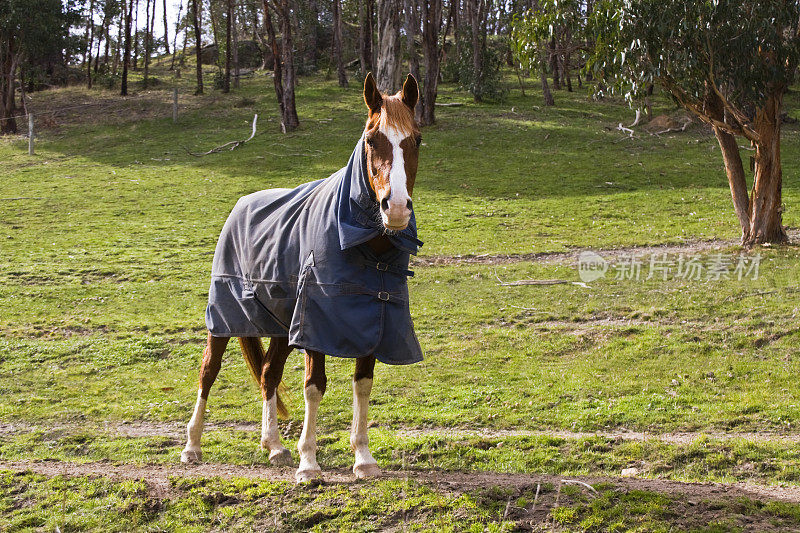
[571, 257]
[69, 106]
[177, 430]
[158, 475]
[622, 434]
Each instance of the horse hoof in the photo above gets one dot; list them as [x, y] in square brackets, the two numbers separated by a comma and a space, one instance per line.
[191, 456]
[313, 477]
[281, 458]
[366, 471]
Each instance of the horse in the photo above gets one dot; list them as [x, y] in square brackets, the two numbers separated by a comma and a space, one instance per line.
[322, 268]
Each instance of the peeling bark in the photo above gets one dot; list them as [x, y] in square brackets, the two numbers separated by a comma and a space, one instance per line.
[765, 203]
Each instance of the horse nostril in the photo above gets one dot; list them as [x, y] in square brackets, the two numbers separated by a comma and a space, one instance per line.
[385, 204]
[408, 204]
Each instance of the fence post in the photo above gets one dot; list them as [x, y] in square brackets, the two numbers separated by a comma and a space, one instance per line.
[175, 105]
[30, 133]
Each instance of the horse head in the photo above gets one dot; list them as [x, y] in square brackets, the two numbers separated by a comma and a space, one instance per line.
[392, 148]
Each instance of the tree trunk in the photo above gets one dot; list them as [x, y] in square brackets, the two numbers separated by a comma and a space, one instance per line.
[290, 120]
[276, 56]
[226, 82]
[412, 26]
[148, 41]
[388, 67]
[548, 96]
[127, 55]
[166, 31]
[235, 51]
[432, 20]
[313, 36]
[475, 12]
[89, 44]
[337, 43]
[118, 47]
[107, 32]
[175, 40]
[554, 64]
[765, 204]
[135, 38]
[197, 45]
[366, 16]
[8, 62]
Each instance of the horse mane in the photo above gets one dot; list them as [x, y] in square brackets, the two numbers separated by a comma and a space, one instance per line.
[396, 114]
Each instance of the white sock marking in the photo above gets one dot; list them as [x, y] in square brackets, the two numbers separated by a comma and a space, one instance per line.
[270, 437]
[194, 430]
[307, 445]
[359, 440]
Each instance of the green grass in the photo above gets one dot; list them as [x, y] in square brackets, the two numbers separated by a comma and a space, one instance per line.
[106, 239]
[31, 502]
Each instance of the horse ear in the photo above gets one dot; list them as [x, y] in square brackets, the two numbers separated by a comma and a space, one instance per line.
[410, 92]
[372, 96]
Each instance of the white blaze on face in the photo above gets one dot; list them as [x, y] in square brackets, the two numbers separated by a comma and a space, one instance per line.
[398, 213]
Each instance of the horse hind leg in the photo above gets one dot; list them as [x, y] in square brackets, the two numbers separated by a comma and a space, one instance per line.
[271, 374]
[209, 368]
[365, 465]
[315, 384]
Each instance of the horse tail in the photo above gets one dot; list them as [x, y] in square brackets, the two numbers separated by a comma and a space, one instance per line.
[254, 356]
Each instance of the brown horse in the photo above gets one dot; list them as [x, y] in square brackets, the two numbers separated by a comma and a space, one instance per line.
[392, 140]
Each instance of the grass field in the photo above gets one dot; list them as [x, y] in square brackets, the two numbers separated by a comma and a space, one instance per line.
[107, 237]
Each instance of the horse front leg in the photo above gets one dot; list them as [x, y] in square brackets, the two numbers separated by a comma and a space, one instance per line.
[365, 465]
[315, 383]
[209, 368]
[271, 375]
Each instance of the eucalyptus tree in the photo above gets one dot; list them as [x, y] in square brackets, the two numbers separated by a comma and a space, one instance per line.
[24, 39]
[730, 63]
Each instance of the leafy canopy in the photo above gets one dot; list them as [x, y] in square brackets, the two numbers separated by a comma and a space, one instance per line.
[746, 49]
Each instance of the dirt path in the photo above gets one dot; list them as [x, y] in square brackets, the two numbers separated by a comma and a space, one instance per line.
[691, 247]
[178, 430]
[158, 478]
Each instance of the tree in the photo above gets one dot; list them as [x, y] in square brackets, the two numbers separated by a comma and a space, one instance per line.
[431, 21]
[26, 38]
[166, 27]
[276, 56]
[149, 22]
[412, 28]
[337, 43]
[729, 62]
[226, 84]
[476, 12]
[289, 118]
[127, 55]
[529, 45]
[89, 42]
[366, 16]
[198, 45]
[388, 64]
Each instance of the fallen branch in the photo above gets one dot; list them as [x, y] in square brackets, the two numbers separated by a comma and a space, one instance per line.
[449, 104]
[233, 145]
[576, 482]
[686, 123]
[637, 119]
[522, 282]
[629, 131]
[533, 282]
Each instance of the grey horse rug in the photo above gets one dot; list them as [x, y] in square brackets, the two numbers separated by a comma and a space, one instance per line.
[294, 263]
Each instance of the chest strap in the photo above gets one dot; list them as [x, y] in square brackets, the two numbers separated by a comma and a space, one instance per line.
[387, 267]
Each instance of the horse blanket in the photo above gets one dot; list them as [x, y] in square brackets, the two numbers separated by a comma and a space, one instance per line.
[294, 263]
